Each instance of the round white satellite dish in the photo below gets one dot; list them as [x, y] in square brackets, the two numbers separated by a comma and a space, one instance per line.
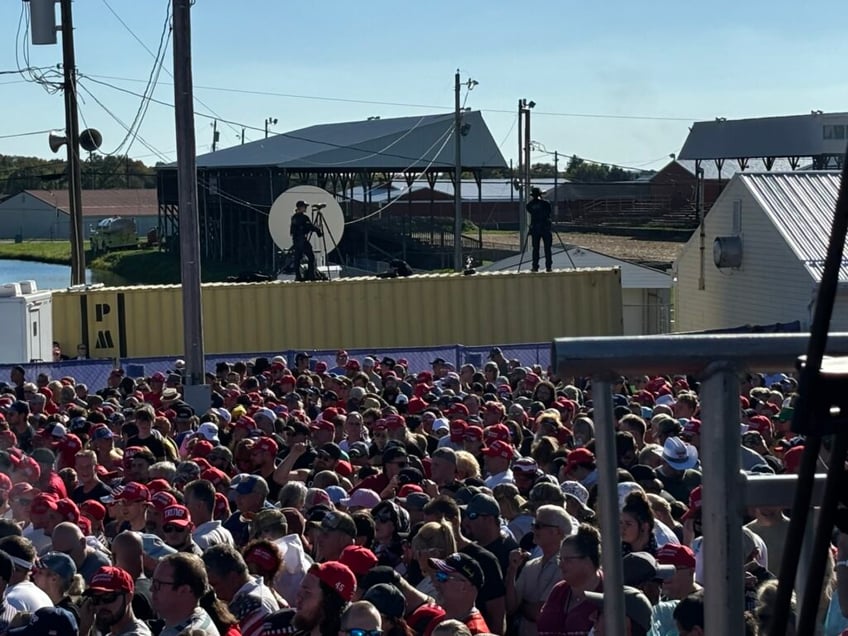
[329, 218]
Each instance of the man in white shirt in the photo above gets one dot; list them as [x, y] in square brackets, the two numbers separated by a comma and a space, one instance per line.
[22, 594]
[498, 456]
[200, 501]
[249, 599]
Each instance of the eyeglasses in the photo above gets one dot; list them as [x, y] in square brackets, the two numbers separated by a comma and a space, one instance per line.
[170, 527]
[538, 526]
[105, 599]
[156, 584]
[356, 631]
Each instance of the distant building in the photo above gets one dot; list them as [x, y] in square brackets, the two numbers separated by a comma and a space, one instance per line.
[44, 214]
[762, 254]
[645, 292]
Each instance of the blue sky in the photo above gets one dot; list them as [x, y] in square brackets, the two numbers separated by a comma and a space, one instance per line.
[671, 62]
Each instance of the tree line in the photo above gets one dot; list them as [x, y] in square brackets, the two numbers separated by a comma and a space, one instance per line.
[576, 169]
[19, 173]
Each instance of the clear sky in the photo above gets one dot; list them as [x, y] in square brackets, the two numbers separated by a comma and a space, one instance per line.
[636, 73]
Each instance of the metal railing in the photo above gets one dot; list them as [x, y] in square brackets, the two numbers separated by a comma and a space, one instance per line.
[716, 360]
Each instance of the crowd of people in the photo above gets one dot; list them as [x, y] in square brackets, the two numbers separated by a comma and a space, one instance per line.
[362, 497]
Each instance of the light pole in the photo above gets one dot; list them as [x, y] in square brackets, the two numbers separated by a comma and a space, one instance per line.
[458, 132]
[269, 120]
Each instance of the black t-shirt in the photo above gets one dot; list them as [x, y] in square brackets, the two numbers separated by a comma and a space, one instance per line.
[78, 495]
[501, 547]
[273, 486]
[152, 443]
[142, 602]
[493, 581]
[304, 461]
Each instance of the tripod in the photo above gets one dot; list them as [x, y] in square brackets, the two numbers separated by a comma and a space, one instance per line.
[561, 244]
[319, 222]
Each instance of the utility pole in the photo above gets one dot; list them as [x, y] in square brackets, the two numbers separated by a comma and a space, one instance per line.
[242, 136]
[519, 177]
[72, 142]
[457, 180]
[556, 185]
[187, 186]
[524, 108]
[215, 135]
[268, 120]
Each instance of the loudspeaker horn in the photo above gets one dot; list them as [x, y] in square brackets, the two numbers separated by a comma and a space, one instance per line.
[56, 141]
[90, 139]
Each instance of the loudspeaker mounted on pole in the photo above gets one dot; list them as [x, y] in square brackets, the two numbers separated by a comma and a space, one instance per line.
[42, 19]
[90, 140]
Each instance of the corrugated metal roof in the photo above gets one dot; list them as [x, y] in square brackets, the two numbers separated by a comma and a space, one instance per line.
[731, 167]
[117, 202]
[792, 136]
[633, 276]
[397, 144]
[490, 189]
[801, 206]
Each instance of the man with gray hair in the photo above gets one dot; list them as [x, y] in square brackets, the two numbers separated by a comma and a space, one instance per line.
[251, 492]
[526, 593]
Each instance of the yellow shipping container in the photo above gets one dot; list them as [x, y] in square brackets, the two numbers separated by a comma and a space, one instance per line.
[422, 310]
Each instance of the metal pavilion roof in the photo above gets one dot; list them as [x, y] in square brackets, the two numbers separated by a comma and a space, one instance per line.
[801, 206]
[397, 144]
[791, 136]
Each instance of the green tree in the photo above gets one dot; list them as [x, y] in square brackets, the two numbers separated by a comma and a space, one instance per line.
[580, 170]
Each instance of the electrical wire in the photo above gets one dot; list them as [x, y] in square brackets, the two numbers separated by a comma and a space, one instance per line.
[349, 100]
[146, 48]
[26, 134]
[329, 144]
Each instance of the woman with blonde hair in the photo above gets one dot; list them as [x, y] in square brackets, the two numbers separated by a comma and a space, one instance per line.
[434, 540]
[467, 466]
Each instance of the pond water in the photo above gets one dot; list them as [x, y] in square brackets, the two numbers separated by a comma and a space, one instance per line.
[50, 276]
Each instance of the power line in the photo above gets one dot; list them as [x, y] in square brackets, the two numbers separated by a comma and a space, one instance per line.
[410, 105]
[26, 134]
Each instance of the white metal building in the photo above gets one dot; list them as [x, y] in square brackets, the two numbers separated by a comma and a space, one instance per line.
[43, 214]
[768, 232]
[645, 292]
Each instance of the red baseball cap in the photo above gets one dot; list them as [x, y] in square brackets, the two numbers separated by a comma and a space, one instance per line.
[693, 427]
[93, 509]
[458, 409]
[111, 579]
[496, 431]
[792, 459]
[215, 475]
[28, 466]
[329, 413]
[158, 485]
[201, 448]
[694, 504]
[322, 425]
[264, 558]
[473, 434]
[5, 483]
[162, 500]
[222, 506]
[680, 556]
[267, 445]
[457, 430]
[395, 422]
[406, 489]
[499, 449]
[44, 503]
[353, 365]
[360, 560]
[759, 423]
[134, 492]
[68, 510]
[178, 515]
[245, 421]
[578, 456]
[337, 576]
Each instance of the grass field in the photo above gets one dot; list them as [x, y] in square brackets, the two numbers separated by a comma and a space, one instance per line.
[141, 266]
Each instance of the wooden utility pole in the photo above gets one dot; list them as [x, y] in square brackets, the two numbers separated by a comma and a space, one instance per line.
[72, 143]
[457, 183]
[187, 186]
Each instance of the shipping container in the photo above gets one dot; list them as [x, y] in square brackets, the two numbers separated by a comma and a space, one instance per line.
[421, 310]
